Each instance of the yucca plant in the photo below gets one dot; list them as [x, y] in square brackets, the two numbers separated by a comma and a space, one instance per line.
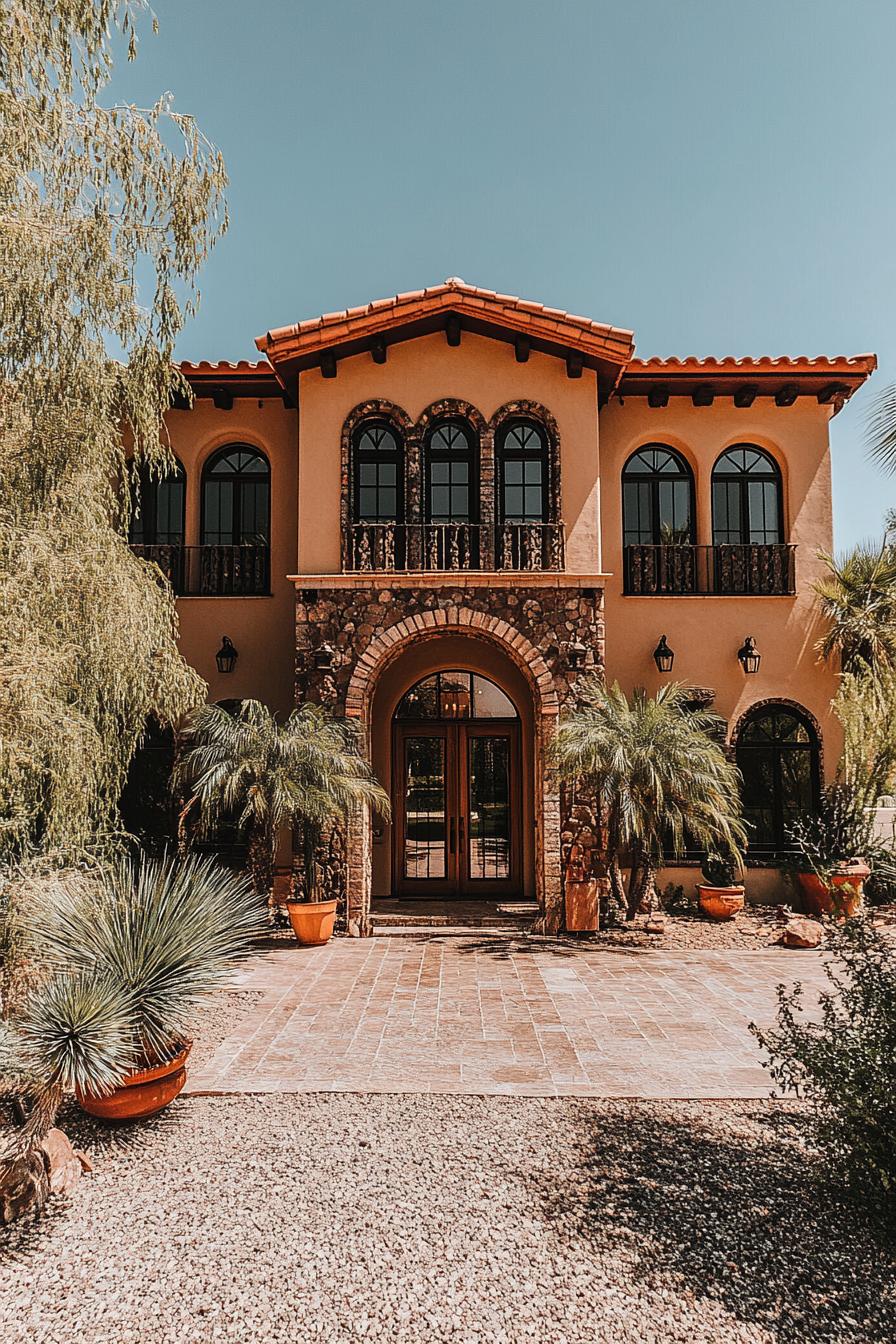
[656, 769]
[267, 775]
[128, 953]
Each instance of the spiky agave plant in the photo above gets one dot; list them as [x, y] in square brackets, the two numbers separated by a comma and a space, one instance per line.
[129, 953]
[657, 771]
[267, 775]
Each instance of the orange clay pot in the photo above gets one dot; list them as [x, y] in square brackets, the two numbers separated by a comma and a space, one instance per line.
[582, 906]
[849, 884]
[312, 921]
[143, 1093]
[720, 902]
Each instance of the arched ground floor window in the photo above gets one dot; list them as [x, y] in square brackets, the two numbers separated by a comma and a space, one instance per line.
[778, 754]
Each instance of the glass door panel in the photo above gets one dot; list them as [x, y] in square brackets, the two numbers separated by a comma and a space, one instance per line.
[489, 822]
[425, 810]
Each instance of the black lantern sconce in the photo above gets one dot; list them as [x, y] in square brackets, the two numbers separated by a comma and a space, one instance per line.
[323, 657]
[226, 655]
[663, 656]
[576, 654]
[749, 656]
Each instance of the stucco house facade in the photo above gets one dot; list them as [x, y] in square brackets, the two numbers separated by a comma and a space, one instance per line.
[435, 513]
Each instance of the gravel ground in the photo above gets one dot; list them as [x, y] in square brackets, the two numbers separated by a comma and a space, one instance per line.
[468, 1219]
[755, 927]
[215, 1020]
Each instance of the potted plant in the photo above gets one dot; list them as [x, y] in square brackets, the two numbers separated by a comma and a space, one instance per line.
[124, 955]
[828, 860]
[721, 896]
[655, 768]
[305, 774]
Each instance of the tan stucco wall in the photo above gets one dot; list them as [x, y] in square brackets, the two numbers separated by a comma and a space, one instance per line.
[417, 373]
[262, 628]
[706, 632]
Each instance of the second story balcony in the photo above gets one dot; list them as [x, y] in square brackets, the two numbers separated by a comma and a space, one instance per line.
[212, 571]
[675, 570]
[450, 547]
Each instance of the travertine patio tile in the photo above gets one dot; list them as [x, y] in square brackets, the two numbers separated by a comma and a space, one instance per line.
[500, 1016]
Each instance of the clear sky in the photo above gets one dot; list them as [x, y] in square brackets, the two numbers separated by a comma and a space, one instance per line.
[715, 174]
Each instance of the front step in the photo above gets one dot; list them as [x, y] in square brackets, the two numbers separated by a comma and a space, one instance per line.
[424, 917]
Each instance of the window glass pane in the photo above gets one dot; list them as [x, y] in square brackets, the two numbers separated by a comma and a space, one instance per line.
[367, 503]
[421, 701]
[388, 473]
[757, 768]
[513, 471]
[218, 528]
[439, 507]
[532, 472]
[388, 503]
[490, 702]
[425, 816]
[533, 503]
[489, 831]
[513, 503]
[367, 473]
[460, 506]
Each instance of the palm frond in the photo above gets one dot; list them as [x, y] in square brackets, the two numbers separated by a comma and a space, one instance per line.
[881, 429]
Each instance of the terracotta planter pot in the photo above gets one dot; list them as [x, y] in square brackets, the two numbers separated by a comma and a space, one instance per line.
[840, 895]
[720, 902]
[582, 907]
[312, 921]
[143, 1093]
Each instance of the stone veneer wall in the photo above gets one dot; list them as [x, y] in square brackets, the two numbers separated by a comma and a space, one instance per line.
[530, 620]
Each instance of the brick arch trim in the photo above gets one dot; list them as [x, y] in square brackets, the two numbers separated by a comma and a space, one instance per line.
[375, 409]
[464, 620]
[523, 409]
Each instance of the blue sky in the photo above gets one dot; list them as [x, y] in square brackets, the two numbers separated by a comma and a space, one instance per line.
[716, 175]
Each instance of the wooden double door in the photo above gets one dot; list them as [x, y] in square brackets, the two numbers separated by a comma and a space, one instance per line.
[456, 809]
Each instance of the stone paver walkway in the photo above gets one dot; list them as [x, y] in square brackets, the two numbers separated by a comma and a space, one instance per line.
[492, 1015]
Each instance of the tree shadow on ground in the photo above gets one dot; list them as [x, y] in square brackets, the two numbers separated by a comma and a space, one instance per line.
[726, 1203]
[503, 947]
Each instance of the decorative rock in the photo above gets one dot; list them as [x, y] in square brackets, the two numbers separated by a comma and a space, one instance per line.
[64, 1166]
[801, 933]
[24, 1185]
[655, 924]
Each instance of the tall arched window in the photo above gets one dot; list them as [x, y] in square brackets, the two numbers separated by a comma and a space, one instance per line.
[777, 752]
[451, 475]
[158, 515]
[236, 498]
[746, 498]
[657, 498]
[378, 472]
[523, 473]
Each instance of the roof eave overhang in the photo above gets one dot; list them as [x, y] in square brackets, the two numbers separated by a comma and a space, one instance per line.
[830, 381]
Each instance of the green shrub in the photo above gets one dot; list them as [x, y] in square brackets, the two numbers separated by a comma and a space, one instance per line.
[844, 1063]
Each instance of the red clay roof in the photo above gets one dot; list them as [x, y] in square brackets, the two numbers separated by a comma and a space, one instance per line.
[774, 364]
[604, 348]
[831, 379]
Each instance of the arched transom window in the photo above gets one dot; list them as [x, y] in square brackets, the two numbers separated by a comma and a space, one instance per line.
[777, 753]
[236, 498]
[657, 498]
[455, 695]
[746, 498]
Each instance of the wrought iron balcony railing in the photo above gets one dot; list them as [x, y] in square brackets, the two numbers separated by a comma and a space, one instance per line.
[212, 571]
[679, 570]
[454, 546]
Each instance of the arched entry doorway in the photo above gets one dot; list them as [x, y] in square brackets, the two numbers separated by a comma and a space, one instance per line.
[456, 788]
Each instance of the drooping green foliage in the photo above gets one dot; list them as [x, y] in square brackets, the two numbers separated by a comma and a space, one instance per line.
[881, 428]
[857, 598]
[106, 214]
[265, 775]
[656, 767]
[845, 1063]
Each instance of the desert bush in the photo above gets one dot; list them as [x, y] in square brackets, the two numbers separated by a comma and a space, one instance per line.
[844, 1063]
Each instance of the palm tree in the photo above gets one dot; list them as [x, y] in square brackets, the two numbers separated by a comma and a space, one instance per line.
[267, 775]
[658, 773]
[858, 599]
[881, 429]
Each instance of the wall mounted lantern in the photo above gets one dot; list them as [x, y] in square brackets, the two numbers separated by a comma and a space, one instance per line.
[663, 656]
[323, 657]
[226, 655]
[749, 656]
[575, 656]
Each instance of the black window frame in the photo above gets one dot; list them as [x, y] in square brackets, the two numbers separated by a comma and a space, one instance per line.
[362, 456]
[146, 494]
[449, 455]
[777, 748]
[240, 478]
[743, 477]
[543, 455]
[654, 479]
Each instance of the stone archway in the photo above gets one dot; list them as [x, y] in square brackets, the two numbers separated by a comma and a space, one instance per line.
[477, 625]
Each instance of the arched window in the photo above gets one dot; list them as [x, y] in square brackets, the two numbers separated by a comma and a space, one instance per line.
[523, 471]
[455, 695]
[746, 498]
[451, 475]
[378, 474]
[158, 515]
[236, 498]
[657, 498]
[777, 752]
